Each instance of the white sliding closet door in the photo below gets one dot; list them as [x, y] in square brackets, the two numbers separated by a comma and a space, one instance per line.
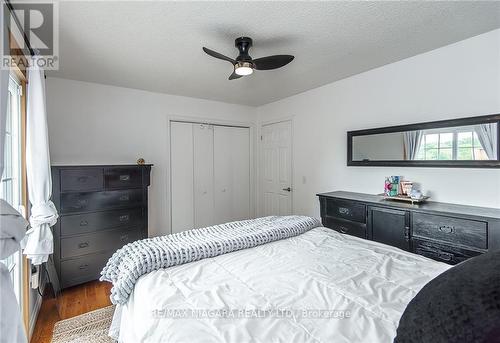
[231, 173]
[182, 176]
[203, 143]
[210, 175]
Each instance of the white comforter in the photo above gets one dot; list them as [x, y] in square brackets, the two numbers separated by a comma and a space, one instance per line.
[320, 286]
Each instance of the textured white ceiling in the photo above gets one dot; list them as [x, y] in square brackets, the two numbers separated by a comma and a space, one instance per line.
[156, 46]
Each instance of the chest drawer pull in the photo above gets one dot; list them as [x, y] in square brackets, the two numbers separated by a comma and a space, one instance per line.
[125, 177]
[83, 266]
[124, 197]
[84, 223]
[344, 210]
[445, 256]
[446, 229]
[407, 233]
[124, 238]
[83, 245]
[124, 218]
[83, 179]
[81, 203]
[343, 229]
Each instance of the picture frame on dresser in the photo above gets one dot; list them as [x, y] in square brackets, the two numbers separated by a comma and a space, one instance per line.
[445, 232]
[101, 208]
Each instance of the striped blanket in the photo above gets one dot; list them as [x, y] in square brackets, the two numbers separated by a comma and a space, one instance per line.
[135, 259]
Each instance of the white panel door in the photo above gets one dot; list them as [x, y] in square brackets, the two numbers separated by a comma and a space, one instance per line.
[181, 167]
[231, 173]
[203, 142]
[276, 168]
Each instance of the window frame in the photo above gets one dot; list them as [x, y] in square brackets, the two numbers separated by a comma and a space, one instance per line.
[14, 262]
[19, 71]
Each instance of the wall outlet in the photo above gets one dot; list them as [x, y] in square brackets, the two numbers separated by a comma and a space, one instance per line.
[35, 276]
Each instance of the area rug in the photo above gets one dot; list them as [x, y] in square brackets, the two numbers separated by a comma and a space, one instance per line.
[90, 327]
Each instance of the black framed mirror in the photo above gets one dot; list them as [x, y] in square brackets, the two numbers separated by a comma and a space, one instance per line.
[457, 143]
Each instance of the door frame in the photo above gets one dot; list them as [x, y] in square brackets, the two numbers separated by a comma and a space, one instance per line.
[217, 122]
[260, 192]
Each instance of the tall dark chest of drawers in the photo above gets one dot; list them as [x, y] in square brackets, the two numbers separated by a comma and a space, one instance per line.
[444, 232]
[101, 208]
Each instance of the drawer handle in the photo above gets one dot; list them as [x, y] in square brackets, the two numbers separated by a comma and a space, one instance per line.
[343, 229]
[81, 203]
[124, 197]
[124, 177]
[124, 218]
[344, 210]
[446, 229]
[124, 238]
[445, 256]
[83, 179]
[83, 245]
[83, 266]
[84, 223]
[407, 233]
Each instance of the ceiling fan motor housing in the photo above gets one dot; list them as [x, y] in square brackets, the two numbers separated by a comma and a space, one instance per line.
[243, 44]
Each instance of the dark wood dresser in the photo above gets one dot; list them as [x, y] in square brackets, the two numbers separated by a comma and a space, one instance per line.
[101, 208]
[444, 232]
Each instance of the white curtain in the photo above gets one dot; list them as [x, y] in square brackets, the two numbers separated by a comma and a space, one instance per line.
[38, 243]
[12, 230]
[412, 141]
[487, 135]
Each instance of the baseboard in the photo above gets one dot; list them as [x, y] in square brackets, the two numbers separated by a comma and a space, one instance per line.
[36, 308]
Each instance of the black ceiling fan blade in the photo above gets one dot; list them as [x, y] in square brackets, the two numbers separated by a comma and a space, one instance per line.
[219, 56]
[272, 62]
[234, 76]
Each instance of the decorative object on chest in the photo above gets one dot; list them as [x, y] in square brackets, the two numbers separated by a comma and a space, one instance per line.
[102, 208]
[444, 232]
[395, 188]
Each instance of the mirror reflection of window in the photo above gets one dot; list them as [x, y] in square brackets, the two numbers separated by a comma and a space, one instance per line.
[476, 143]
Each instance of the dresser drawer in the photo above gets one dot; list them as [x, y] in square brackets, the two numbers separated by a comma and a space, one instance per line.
[82, 202]
[442, 252]
[89, 222]
[122, 178]
[465, 232]
[98, 241]
[86, 179]
[345, 210]
[349, 228]
[83, 269]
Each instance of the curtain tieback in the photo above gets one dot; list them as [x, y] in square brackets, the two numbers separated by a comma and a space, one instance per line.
[43, 213]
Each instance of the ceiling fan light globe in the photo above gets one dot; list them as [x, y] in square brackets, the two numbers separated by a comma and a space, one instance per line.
[243, 68]
[243, 71]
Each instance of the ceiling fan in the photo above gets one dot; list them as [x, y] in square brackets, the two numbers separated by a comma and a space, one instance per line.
[244, 64]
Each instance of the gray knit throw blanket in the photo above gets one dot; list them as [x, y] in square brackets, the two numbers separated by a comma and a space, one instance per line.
[141, 257]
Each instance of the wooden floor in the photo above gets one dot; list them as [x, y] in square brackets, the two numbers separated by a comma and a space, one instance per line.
[72, 302]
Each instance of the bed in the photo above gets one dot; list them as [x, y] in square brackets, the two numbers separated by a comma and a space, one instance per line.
[319, 286]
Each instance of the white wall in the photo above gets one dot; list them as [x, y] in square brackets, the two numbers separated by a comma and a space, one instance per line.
[459, 80]
[97, 124]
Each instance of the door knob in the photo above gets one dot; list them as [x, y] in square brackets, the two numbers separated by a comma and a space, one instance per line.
[287, 189]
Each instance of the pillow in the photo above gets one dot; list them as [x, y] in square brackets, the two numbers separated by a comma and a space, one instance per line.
[460, 305]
